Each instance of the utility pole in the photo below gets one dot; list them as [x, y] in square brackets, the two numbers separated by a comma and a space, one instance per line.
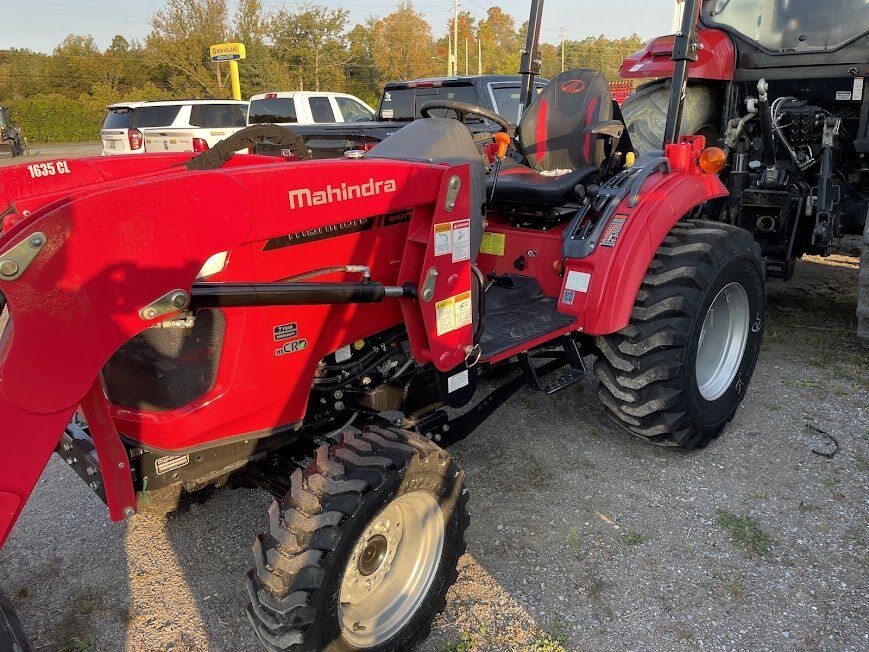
[479, 55]
[562, 49]
[449, 57]
[456, 37]
[466, 56]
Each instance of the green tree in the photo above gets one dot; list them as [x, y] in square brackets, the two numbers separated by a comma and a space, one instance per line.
[403, 47]
[260, 71]
[500, 43]
[359, 71]
[311, 41]
[178, 44]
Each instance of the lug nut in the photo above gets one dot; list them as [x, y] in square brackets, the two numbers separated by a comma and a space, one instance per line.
[37, 240]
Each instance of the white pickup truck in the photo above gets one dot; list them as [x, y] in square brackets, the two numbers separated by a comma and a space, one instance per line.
[290, 108]
[208, 123]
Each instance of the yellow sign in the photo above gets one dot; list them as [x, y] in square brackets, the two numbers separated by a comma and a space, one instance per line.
[493, 243]
[227, 52]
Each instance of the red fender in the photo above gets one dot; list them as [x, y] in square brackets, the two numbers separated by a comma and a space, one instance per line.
[716, 58]
[601, 289]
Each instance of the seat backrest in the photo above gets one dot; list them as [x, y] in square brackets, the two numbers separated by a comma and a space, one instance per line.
[552, 130]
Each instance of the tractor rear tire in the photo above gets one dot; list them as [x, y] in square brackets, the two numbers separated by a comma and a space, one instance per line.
[645, 114]
[12, 637]
[360, 553]
[677, 372]
[863, 291]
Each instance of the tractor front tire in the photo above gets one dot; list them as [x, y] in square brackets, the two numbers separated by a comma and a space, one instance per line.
[677, 372]
[645, 113]
[360, 553]
[12, 638]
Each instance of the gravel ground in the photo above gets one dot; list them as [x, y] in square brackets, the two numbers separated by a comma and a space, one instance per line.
[38, 152]
[582, 538]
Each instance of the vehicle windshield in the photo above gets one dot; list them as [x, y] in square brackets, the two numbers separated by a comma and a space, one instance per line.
[404, 103]
[155, 116]
[791, 25]
[272, 110]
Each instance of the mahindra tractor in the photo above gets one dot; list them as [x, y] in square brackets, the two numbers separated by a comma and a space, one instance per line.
[322, 329]
[779, 84]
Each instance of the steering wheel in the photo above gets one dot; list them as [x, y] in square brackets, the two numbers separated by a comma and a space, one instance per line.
[463, 110]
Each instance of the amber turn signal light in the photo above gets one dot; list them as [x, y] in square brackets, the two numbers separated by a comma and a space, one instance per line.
[712, 160]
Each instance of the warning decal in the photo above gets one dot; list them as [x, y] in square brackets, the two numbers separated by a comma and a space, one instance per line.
[612, 232]
[453, 313]
[461, 240]
[493, 244]
[443, 240]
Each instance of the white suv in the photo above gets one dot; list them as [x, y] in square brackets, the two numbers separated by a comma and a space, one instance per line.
[307, 107]
[126, 123]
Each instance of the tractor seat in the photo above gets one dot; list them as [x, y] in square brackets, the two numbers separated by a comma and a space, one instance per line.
[520, 185]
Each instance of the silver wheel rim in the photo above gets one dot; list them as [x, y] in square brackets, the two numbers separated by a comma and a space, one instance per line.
[391, 569]
[722, 341]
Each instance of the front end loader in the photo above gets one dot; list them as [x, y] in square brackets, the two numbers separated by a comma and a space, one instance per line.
[319, 330]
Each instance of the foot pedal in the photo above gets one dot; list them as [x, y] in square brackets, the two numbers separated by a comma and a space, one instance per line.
[575, 372]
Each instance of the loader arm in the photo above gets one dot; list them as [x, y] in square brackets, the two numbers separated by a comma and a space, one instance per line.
[82, 274]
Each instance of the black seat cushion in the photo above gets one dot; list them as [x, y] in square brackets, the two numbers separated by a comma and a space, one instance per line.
[520, 185]
[552, 130]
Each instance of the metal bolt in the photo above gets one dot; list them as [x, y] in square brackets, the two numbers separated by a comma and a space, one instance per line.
[94, 485]
[454, 183]
[179, 299]
[451, 205]
[338, 394]
[121, 465]
[69, 461]
[8, 267]
[37, 240]
[427, 294]
[67, 447]
[129, 511]
[446, 427]
[339, 405]
[437, 437]
[150, 313]
[91, 470]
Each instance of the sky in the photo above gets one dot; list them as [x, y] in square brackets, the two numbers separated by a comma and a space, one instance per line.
[41, 24]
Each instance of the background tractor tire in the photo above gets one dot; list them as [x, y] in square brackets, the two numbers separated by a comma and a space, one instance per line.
[677, 372]
[341, 545]
[645, 113]
[863, 291]
[12, 638]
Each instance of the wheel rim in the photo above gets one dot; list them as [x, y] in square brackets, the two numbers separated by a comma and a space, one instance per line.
[722, 341]
[391, 569]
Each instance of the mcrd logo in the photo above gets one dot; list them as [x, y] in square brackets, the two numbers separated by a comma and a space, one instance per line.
[307, 197]
[573, 86]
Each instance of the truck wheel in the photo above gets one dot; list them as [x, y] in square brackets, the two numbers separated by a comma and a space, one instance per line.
[12, 638]
[863, 291]
[361, 551]
[645, 113]
[677, 372]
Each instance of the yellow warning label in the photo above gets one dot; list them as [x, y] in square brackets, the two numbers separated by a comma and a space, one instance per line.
[446, 315]
[463, 309]
[493, 244]
[443, 240]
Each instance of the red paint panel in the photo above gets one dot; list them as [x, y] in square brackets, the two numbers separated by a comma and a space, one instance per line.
[540, 134]
[716, 58]
[589, 138]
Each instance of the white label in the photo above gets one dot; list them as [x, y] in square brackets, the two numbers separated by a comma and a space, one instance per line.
[458, 381]
[387, 113]
[636, 67]
[443, 239]
[461, 241]
[343, 354]
[843, 95]
[857, 93]
[170, 463]
[578, 281]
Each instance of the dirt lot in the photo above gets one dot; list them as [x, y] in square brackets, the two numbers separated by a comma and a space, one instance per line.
[582, 537]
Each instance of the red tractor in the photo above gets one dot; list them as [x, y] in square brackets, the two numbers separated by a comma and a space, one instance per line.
[780, 83]
[319, 329]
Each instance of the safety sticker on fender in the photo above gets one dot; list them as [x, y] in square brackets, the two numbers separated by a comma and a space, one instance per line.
[453, 313]
[493, 244]
[612, 232]
[443, 239]
[578, 281]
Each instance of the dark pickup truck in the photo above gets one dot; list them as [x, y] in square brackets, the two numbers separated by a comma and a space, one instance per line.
[400, 104]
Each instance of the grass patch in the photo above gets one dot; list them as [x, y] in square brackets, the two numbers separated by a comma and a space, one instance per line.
[634, 538]
[467, 640]
[745, 533]
[573, 539]
[546, 643]
[831, 482]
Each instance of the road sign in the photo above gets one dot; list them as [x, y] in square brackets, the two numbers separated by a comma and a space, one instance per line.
[227, 52]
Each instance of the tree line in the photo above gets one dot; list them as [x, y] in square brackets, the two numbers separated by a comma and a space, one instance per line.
[62, 96]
